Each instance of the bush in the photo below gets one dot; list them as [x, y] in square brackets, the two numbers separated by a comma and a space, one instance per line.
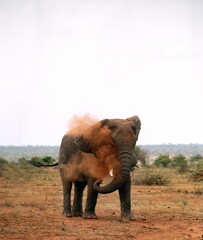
[152, 178]
[48, 160]
[141, 155]
[180, 162]
[23, 161]
[41, 161]
[199, 164]
[162, 161]
[197, 176]
[2, 161]
[197, 157]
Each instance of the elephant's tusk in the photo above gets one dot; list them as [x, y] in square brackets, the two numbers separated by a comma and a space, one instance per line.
[137, 166]
[111, 172]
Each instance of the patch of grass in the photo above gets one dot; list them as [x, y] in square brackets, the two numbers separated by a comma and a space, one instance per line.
[16, 171]
[197, 176]
[198, 190]
[24, 172]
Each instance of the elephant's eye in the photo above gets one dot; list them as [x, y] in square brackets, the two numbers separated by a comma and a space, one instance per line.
[112, 126]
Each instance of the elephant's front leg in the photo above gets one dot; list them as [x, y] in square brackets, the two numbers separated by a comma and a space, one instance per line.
[125, 200]
[91, 201]
[77, 202]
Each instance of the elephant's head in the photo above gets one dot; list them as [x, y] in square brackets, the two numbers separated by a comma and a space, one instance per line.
[122, 135]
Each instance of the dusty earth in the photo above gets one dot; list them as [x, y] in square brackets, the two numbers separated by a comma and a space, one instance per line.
[31, 206]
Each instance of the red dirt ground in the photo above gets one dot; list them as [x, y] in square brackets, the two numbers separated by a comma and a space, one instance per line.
[32, 210]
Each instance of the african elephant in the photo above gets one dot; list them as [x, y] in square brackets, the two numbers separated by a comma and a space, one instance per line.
[110, 144]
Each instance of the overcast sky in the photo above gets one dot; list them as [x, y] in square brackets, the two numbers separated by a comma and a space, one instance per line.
[111, 59]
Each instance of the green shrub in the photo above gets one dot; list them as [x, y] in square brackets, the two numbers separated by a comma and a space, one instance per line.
[180, 162]
[196, 157]
[23, 161]
[48, 159]
[2, 161]
[162, 161]
[199, 164]
[196, 161]
[151, 177]
[43, 160]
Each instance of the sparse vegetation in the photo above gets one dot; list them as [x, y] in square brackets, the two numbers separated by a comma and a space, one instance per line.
[3, 162]
[142, 155]
[31, 196]
[21, 171]
[13, 153]
[198, 190]
[197, 176]
[151, 177]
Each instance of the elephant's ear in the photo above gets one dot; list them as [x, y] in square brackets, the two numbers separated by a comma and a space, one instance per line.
[107, 122]
[83, 144]
[104, 122]
[136, 124]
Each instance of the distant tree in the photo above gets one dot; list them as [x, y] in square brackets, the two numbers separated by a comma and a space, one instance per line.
[141, 155]
[36, 160]
[48, 159]
[163, 160]
[196, 157]
[180, 162]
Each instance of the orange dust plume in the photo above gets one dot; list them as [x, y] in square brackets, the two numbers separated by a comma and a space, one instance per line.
[80, 124]
[105, 157]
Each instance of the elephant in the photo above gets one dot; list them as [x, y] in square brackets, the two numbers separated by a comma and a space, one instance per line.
[106, 148]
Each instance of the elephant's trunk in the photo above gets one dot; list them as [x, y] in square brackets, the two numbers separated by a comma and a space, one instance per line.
[125, 157]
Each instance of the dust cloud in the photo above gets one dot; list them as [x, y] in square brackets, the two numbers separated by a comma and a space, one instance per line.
[104, 162]
[79, 125]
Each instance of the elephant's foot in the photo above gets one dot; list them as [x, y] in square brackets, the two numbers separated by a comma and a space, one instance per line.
[77, 210]
[76, 213]
[89, 215]
[127, 217]
[67, 214]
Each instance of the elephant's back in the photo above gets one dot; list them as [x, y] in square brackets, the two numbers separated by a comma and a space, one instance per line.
[68, 148]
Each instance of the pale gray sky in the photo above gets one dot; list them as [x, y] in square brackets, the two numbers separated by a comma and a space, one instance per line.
[111, 59]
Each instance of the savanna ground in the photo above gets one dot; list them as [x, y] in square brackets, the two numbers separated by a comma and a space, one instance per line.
[31, 206]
